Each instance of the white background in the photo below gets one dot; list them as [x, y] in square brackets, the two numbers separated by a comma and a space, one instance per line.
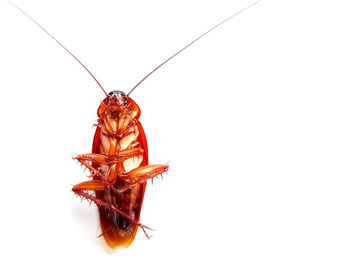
[254, 120]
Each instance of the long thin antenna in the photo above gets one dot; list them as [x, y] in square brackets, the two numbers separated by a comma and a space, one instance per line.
[60, 45]
[190, 44]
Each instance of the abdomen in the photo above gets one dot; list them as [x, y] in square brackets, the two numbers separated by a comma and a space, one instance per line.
[116, 229]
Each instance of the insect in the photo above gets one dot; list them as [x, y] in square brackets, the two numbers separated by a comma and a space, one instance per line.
[119, 159]
[119, 169]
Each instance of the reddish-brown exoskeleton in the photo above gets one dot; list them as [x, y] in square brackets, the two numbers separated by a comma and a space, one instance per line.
[119, 159]
[119, 169]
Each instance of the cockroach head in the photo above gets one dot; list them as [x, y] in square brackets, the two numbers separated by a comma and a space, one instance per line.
[117, 97]
[118, 102]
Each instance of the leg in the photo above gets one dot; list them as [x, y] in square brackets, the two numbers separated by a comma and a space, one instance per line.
[85, 158]
[137, 176]
[92, 157]
[142, 174]
[94, 185]
[103, 159]
[112, 207]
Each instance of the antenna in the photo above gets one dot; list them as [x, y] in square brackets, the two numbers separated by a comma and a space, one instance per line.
[190, 44]
[60, 45]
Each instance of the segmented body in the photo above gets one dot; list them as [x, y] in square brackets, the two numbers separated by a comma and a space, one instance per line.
[117, 132]
[119, 167]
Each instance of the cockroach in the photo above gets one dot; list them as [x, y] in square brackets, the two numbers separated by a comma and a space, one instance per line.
[119, 159]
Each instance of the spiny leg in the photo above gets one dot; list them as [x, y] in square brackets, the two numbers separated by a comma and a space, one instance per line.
[142, 174]
[92, 169]
[113, 208]
[93, 157]
[84, 159]
[103, 159]
[95, 185]
[138, 176]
